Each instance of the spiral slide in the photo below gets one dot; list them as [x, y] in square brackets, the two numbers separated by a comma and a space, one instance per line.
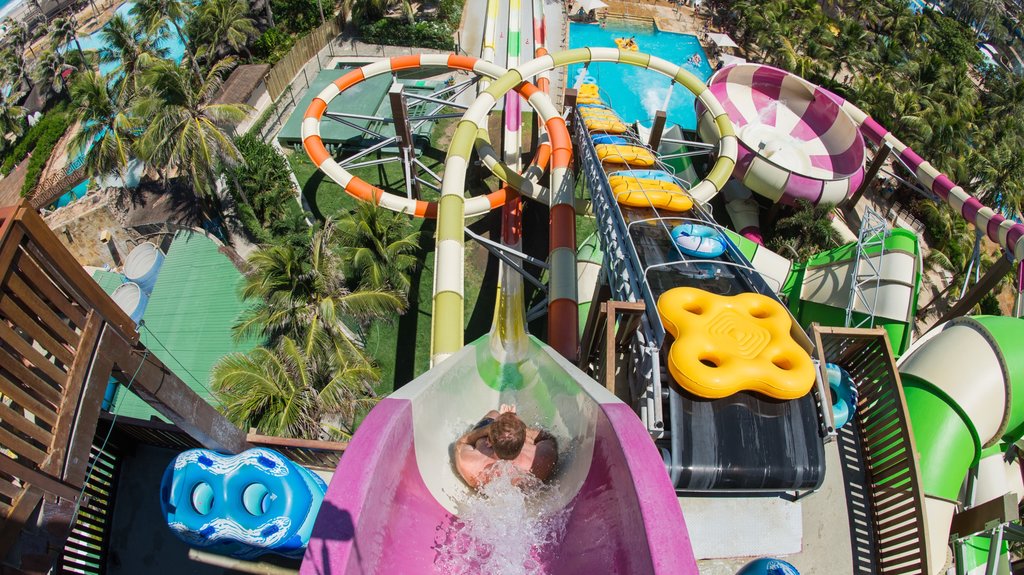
[964, 389]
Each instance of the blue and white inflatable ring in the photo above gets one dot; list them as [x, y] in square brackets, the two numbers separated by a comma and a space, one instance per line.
[698, 240]
[241, 505]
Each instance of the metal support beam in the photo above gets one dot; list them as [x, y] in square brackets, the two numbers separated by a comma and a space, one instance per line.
[400, 112]
[657, 130]
[988, 282]
[881, 155]
[502, 247]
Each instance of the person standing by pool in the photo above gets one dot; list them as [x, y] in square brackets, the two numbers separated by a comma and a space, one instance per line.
[502, 436]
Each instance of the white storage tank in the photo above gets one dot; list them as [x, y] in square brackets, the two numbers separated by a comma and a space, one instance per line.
[130, 298]
[143, 266]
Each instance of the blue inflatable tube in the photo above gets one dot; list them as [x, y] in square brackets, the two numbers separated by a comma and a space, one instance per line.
[768, 566]
[698, 240]
[241, 505]
[660, 175]
[844, 394]
[609, 139]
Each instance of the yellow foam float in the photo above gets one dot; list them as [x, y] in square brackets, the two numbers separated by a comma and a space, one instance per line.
[627, 44]
[595, 100]
[588, 89]
[609, 125]
[628, 155]
[670, 201]
[643, 193]
[727, 344]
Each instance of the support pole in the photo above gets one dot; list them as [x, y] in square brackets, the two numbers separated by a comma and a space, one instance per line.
[657, 130]
[987, 283]
[400, 113]
[881, 155]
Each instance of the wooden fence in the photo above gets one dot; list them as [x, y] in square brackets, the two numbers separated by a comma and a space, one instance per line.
[896, 500]
[305, 49]
[308, 452]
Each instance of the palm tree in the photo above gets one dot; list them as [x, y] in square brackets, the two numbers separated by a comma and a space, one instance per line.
[378, 250]
[807, 231]
[186, 129]
[132, 50]
[64, 31]
[303, 291]
[106, 126]
[290, 391]
[154, 14]
[49, 71]
[223, 23]
[848, 47]
[12, 121]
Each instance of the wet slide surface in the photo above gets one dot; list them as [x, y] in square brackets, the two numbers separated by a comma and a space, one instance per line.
[391, 506]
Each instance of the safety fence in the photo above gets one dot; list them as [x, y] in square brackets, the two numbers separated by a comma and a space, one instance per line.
[304, 50]
[895, 500]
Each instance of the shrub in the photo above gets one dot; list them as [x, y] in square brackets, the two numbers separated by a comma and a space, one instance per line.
[47, 139]
[300, 16]
[28, 142]
[450, 11]
[264, 192]
[272, 45]
[434, 34]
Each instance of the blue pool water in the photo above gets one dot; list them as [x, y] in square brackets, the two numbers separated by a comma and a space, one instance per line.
[917, 6]
[636, 93]
[171, 42]
[76, 193]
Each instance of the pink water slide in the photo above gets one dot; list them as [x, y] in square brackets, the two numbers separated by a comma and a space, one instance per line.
[395, 493]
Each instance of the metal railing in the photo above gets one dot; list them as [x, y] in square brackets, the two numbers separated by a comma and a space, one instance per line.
[895, 500]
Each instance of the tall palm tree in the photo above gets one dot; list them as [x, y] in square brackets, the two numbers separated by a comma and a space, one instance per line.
[64, 31]
[223, 24]
[303, 291]
[155, 14]
[12, 121]
[378, 251]
[289, 390]
[49, 71]
[106, 126]
[186, 129]
[132, 50]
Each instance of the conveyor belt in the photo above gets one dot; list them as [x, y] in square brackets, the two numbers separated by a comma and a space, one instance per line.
[744, 442]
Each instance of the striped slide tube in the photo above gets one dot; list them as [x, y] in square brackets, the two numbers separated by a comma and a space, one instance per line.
[562, 288]
[793, 145]
[1007, 233]
[359, 188]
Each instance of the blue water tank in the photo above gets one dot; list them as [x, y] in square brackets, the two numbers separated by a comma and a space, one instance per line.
[130, 298]
[143, 266]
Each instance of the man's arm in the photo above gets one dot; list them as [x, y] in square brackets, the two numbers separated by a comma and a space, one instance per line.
[539, 435]
[471, 437]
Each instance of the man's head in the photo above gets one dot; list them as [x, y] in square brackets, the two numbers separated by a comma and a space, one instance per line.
[507, 435]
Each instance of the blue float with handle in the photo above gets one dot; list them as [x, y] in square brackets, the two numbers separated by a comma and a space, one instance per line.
[844, 394]
[241, 505]
[698, 240]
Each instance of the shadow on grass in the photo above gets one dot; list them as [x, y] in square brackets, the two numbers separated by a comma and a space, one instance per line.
[408, 324]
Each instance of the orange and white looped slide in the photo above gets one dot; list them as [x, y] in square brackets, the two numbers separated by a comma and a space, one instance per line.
[727, 344]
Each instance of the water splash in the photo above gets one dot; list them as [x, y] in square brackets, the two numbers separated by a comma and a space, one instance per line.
[511, 526]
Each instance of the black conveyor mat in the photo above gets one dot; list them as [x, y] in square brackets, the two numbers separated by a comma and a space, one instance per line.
[746, 442]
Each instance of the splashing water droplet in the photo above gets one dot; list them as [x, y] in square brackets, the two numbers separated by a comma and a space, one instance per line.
[510, 526]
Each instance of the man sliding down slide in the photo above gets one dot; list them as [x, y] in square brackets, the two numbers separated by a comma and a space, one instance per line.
[501, 435]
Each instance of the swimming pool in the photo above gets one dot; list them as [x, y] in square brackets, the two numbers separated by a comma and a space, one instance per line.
[171, 42]
[636, 93]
